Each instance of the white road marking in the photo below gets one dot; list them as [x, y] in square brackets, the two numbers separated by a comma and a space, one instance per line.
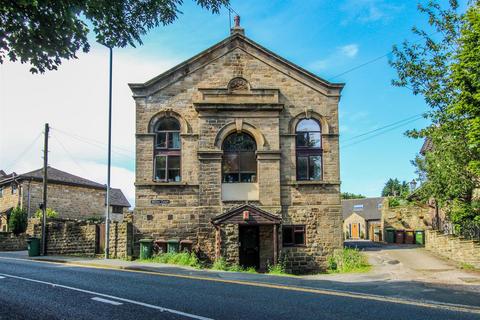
[2, 277]
[115, 303]
[161, 309]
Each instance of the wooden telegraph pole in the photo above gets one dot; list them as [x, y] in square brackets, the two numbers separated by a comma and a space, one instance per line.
[45, 185]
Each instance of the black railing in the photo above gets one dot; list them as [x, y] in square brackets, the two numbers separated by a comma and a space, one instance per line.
[469, 230]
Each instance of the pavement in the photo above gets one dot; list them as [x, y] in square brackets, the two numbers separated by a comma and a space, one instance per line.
[405, 283]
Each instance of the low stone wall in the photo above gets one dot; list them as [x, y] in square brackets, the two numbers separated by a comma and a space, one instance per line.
[453, 247]
[11, 242]
[72, 237]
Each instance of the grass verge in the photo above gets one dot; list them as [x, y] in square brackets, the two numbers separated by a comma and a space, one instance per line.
[347, 261]
[182, 258]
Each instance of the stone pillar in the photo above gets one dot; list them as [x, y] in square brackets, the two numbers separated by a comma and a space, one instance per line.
[210, 177]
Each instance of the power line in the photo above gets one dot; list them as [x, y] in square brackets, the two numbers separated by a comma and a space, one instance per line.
[420, 115]
[24, 151]
[69, 154]
[380, 133]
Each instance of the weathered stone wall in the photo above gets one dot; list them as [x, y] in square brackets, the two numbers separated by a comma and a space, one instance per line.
[8, 199]
[229, 247]
[11, 242]
[72, 237]
[70, 202]
[411, 216]
[355, 219]
[453, 247]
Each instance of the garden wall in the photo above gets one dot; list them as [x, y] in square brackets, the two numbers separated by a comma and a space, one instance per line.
[411, 216]
[72, 237]
[11, 242]
[453, 247]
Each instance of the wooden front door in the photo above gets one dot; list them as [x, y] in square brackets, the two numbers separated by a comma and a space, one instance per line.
[249, 246]
[355, 231]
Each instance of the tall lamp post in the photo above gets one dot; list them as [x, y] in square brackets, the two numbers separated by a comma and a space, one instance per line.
[107, 209]
[413, 185]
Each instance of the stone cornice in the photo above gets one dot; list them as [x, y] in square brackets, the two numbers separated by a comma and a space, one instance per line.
[269, 154]
[209, 155]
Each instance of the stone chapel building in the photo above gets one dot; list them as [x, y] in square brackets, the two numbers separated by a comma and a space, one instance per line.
[237, 156]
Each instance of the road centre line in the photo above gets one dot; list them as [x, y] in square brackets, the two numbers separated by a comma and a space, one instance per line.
[330, 292]
[115, 303]
[161, 309]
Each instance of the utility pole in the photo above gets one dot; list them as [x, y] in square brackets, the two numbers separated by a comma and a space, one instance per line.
[107, 210]
[45, 184]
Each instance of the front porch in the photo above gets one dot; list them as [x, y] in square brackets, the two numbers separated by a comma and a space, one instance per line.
[247, 236]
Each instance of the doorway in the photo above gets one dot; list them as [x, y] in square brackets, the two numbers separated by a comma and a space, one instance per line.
[249, 252]
[355, 233]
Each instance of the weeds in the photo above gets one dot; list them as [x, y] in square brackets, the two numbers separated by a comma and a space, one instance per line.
[347, 260]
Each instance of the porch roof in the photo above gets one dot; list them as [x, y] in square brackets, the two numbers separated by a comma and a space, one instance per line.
[256, 216]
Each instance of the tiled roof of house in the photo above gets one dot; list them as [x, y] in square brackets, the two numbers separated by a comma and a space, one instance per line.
[117, 198]
[368, 208]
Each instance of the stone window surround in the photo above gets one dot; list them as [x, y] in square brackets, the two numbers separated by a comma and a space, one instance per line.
[293, 244]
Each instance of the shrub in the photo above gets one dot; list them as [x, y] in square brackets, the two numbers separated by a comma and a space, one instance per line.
[347, 260]
[220, 264]
[50, 213]
[279, 268]
[17, 222]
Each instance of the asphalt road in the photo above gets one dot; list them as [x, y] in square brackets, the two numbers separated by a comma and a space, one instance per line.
[34, 290]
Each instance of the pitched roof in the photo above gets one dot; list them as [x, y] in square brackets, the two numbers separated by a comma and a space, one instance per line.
[234, 41]
[368, 208]
[55, 175]
[117, 198]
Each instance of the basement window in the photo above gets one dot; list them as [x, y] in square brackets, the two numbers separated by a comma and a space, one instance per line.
[293, 236]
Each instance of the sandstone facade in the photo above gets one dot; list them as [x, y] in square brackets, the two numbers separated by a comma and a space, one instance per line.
[237, 86]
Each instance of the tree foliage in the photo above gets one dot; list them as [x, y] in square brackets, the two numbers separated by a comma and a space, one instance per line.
[395, 188]
[445, 69]
[17, 222]
[43, 32]
[349, 195]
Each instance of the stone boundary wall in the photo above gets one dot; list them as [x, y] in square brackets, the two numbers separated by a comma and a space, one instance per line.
[405, 217]
[72, 237]
[11, 242]
[453, 247]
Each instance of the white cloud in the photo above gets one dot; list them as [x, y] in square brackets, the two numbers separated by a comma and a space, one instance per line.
[336, 59]
[74, 100]
[350, 50]
[366, 11]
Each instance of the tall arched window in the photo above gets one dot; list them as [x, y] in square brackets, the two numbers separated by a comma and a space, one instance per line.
[239, 161]
[309, 150]
[167, 150]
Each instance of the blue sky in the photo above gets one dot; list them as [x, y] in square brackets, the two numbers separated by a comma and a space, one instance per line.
[325, 37]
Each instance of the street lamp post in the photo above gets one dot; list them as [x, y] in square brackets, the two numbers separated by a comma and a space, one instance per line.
[413, 185]
[107, 209]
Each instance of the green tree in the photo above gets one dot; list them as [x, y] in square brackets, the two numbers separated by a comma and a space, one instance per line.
[445, 69]
[17, 222]
[43, 32]
[395, 188]
[349, 195]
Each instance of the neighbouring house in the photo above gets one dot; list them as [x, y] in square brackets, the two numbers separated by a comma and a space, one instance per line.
[69, 195]
[362, 218]
[237, 157]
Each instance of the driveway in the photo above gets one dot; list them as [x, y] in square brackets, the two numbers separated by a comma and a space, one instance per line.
[413, 263]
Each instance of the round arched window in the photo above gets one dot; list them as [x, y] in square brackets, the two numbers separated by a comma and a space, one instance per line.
[239, 160]
[309, 150]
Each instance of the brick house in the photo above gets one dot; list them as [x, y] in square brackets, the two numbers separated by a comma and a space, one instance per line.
[237, 155]
[69, 195]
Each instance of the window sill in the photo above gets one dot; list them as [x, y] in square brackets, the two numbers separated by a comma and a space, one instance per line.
[312, 183]
[164, 184]
[294, 246]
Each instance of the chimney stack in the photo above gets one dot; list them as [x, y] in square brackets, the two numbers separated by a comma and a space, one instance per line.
[237, 28]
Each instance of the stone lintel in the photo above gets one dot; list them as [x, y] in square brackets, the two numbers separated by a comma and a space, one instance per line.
[269, 154]
[310, 183]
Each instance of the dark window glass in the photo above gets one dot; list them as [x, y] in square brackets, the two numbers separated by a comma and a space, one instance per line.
[239, 160]
[293, 236]
[309, 150]
[167, 150]
[117, 209]
[287, 235]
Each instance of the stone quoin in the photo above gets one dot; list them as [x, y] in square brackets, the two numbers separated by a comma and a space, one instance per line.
[237, 153]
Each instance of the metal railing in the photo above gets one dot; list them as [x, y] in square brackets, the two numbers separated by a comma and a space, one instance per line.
[469, 230]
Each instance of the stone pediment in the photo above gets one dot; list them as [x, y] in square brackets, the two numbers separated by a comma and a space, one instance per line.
[247, 214]
[233, 42]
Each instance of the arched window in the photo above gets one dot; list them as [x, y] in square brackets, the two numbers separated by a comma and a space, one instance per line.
[309, 150]
[167, 150]
[239, 161]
